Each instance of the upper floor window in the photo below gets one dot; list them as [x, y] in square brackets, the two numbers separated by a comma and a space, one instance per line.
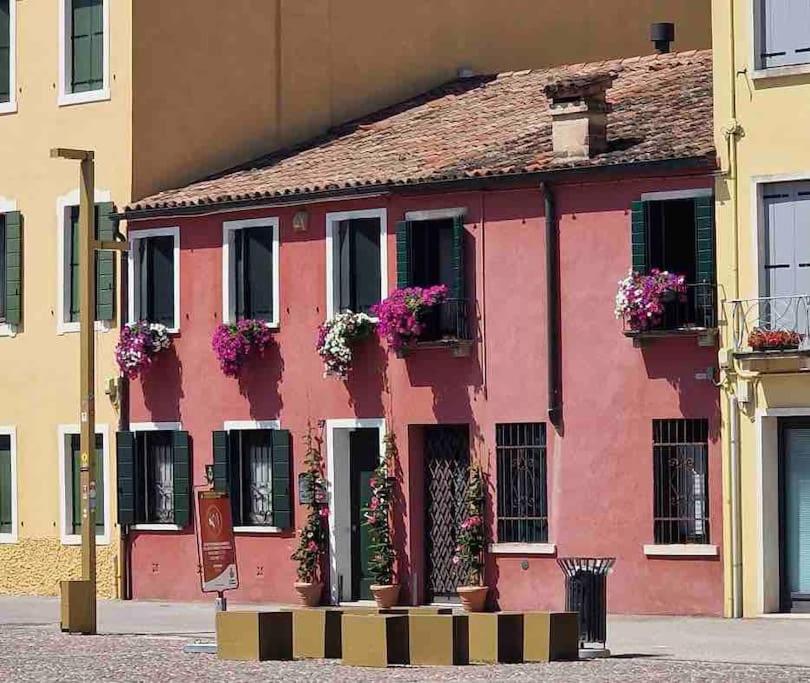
[154, 477]
[522, 493]
[681, 481]
[250, 261]
[11, 268]
[356, 260]
[154, 282]
[8, 11]
[674, 232]
[784, 33]
[85, 56]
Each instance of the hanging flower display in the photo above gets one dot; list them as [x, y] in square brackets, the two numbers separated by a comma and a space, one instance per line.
[641, 298]
[335, 340]
[232, 343]
[400, 314]
[471, 538]
[313, 540]
[138, 345]
[377, 516]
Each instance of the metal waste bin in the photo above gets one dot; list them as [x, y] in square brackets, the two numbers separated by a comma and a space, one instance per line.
[586, 594]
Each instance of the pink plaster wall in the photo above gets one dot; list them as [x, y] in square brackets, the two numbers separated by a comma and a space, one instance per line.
[600, 470]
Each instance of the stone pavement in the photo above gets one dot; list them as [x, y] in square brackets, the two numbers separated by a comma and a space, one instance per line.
[144, 642]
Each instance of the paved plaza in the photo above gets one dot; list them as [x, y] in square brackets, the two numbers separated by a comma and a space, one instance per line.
[143, 641]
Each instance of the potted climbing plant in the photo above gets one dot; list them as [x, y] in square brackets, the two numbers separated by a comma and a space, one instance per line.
[234, 342]
[471, 541]
[138, 346]
[313, 540]
[378, 520]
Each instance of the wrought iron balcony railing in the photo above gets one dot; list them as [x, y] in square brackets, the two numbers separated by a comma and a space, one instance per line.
[448, 322]
[696, 310]
[769, 314]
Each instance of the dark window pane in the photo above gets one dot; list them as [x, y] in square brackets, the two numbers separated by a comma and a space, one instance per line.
[522, 493]
[157, 476]
[358, 260]
[157, 280]
[254, 273]
[5, 51]
[256, 476]
[5, 484]
[74, 459]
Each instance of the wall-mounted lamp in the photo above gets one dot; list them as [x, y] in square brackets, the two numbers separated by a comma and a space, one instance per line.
[300, 221]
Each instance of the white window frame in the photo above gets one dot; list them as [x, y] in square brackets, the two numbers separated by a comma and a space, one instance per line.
[10, 107]
[157, 427]
[12, 537]
[6, 206]
[332, 221]
[66, 486]
[66, 97]
[243, 426]
[134, 272]
[63, 206]
[757, 70]
[229, 229]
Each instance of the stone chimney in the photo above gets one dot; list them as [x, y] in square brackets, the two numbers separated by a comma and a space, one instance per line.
[579, 115]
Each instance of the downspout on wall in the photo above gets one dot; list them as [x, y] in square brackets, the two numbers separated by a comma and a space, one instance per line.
[554, 363]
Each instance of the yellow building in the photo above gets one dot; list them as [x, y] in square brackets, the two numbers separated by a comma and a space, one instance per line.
[165, 92]
[762, 110]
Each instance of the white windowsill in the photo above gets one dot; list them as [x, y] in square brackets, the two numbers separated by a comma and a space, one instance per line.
[73, 328]
[8, 330]
[781, 72]
[8, 108]
[156, 527]
[69, 99]
[257, 530]
[6, 539]
[76, 539]
[523, 548]
[681, 550]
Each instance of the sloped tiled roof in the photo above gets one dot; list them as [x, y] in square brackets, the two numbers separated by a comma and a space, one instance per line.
[477, 127]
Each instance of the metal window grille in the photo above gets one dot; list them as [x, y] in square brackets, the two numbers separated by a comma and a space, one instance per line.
[522, 493]
[159, 477]
[680, 464]
[256, 476]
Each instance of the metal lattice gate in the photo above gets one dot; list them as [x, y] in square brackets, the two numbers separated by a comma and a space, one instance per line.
[447, 459]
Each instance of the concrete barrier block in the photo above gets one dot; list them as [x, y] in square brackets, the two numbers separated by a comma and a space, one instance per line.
[550, 636]
[438, 639]
[254, 636]
[496, 637]
[375, 640]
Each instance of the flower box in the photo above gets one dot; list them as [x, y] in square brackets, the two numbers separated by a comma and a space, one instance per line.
[761, 340]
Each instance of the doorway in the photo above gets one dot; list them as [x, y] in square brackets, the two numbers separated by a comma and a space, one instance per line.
[794, 513]
[447, 466]
[364, 455]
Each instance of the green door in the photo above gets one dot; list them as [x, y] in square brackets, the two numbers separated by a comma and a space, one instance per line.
[364, 454]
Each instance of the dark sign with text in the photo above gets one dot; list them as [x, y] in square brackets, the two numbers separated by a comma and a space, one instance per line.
[217, 548]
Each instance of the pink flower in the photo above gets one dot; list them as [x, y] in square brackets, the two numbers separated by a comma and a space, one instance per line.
[312, 546]
[456, 559]
[324, 512]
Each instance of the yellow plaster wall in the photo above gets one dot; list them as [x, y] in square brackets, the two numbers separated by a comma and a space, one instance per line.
[40, 367]
[773, 114]
[263, 73]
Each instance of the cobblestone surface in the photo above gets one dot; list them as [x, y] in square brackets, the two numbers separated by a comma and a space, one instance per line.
[43, 653]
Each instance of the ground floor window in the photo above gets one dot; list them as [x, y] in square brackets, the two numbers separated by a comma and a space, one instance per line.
[681, 486]
[154, 477]
[73, 499]
[6, 485]
[522, 491]
[253, 466]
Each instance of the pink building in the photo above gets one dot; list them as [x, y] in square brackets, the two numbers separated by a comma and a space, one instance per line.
[597, 440]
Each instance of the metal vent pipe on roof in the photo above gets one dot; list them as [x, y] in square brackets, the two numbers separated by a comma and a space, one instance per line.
[662, 35]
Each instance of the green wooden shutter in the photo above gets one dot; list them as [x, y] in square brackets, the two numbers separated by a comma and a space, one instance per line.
[73, 451]
[704, 237]
[100, 492]
[182, 478]
[457, 257]
[404, 256]
[222, 477]
[5, 50]
[73, 273]
[6, 483]
[14, 269]
[105, 263]
[366, 272]
[126, 473]
[87, 45]
[282, 466]
[638, 237]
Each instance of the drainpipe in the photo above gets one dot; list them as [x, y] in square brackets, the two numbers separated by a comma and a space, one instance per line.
[555, 408]
[733, 134]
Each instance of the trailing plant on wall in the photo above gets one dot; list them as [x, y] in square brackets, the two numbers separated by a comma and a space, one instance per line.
[471, 539]
[138, 345]
[641, 298]
[336, 338]
[233, 342]
[764, 340]
[313, 540]
[378, 516]
[400, 314]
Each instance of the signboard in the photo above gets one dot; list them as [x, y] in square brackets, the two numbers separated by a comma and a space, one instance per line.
[217, 548]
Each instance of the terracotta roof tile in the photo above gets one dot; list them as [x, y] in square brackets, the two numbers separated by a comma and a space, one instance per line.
[480, 126]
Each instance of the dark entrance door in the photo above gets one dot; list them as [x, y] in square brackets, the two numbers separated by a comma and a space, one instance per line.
[794, 470]
[447, 460]
[364, 454]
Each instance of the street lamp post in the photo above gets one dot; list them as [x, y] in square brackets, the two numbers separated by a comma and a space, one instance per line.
[78, 607]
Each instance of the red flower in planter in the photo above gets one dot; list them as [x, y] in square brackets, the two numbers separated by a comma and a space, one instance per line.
[764, 340]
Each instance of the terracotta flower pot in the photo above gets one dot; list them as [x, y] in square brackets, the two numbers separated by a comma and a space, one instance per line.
[309, 593]
[386, 596]
[473, 598]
